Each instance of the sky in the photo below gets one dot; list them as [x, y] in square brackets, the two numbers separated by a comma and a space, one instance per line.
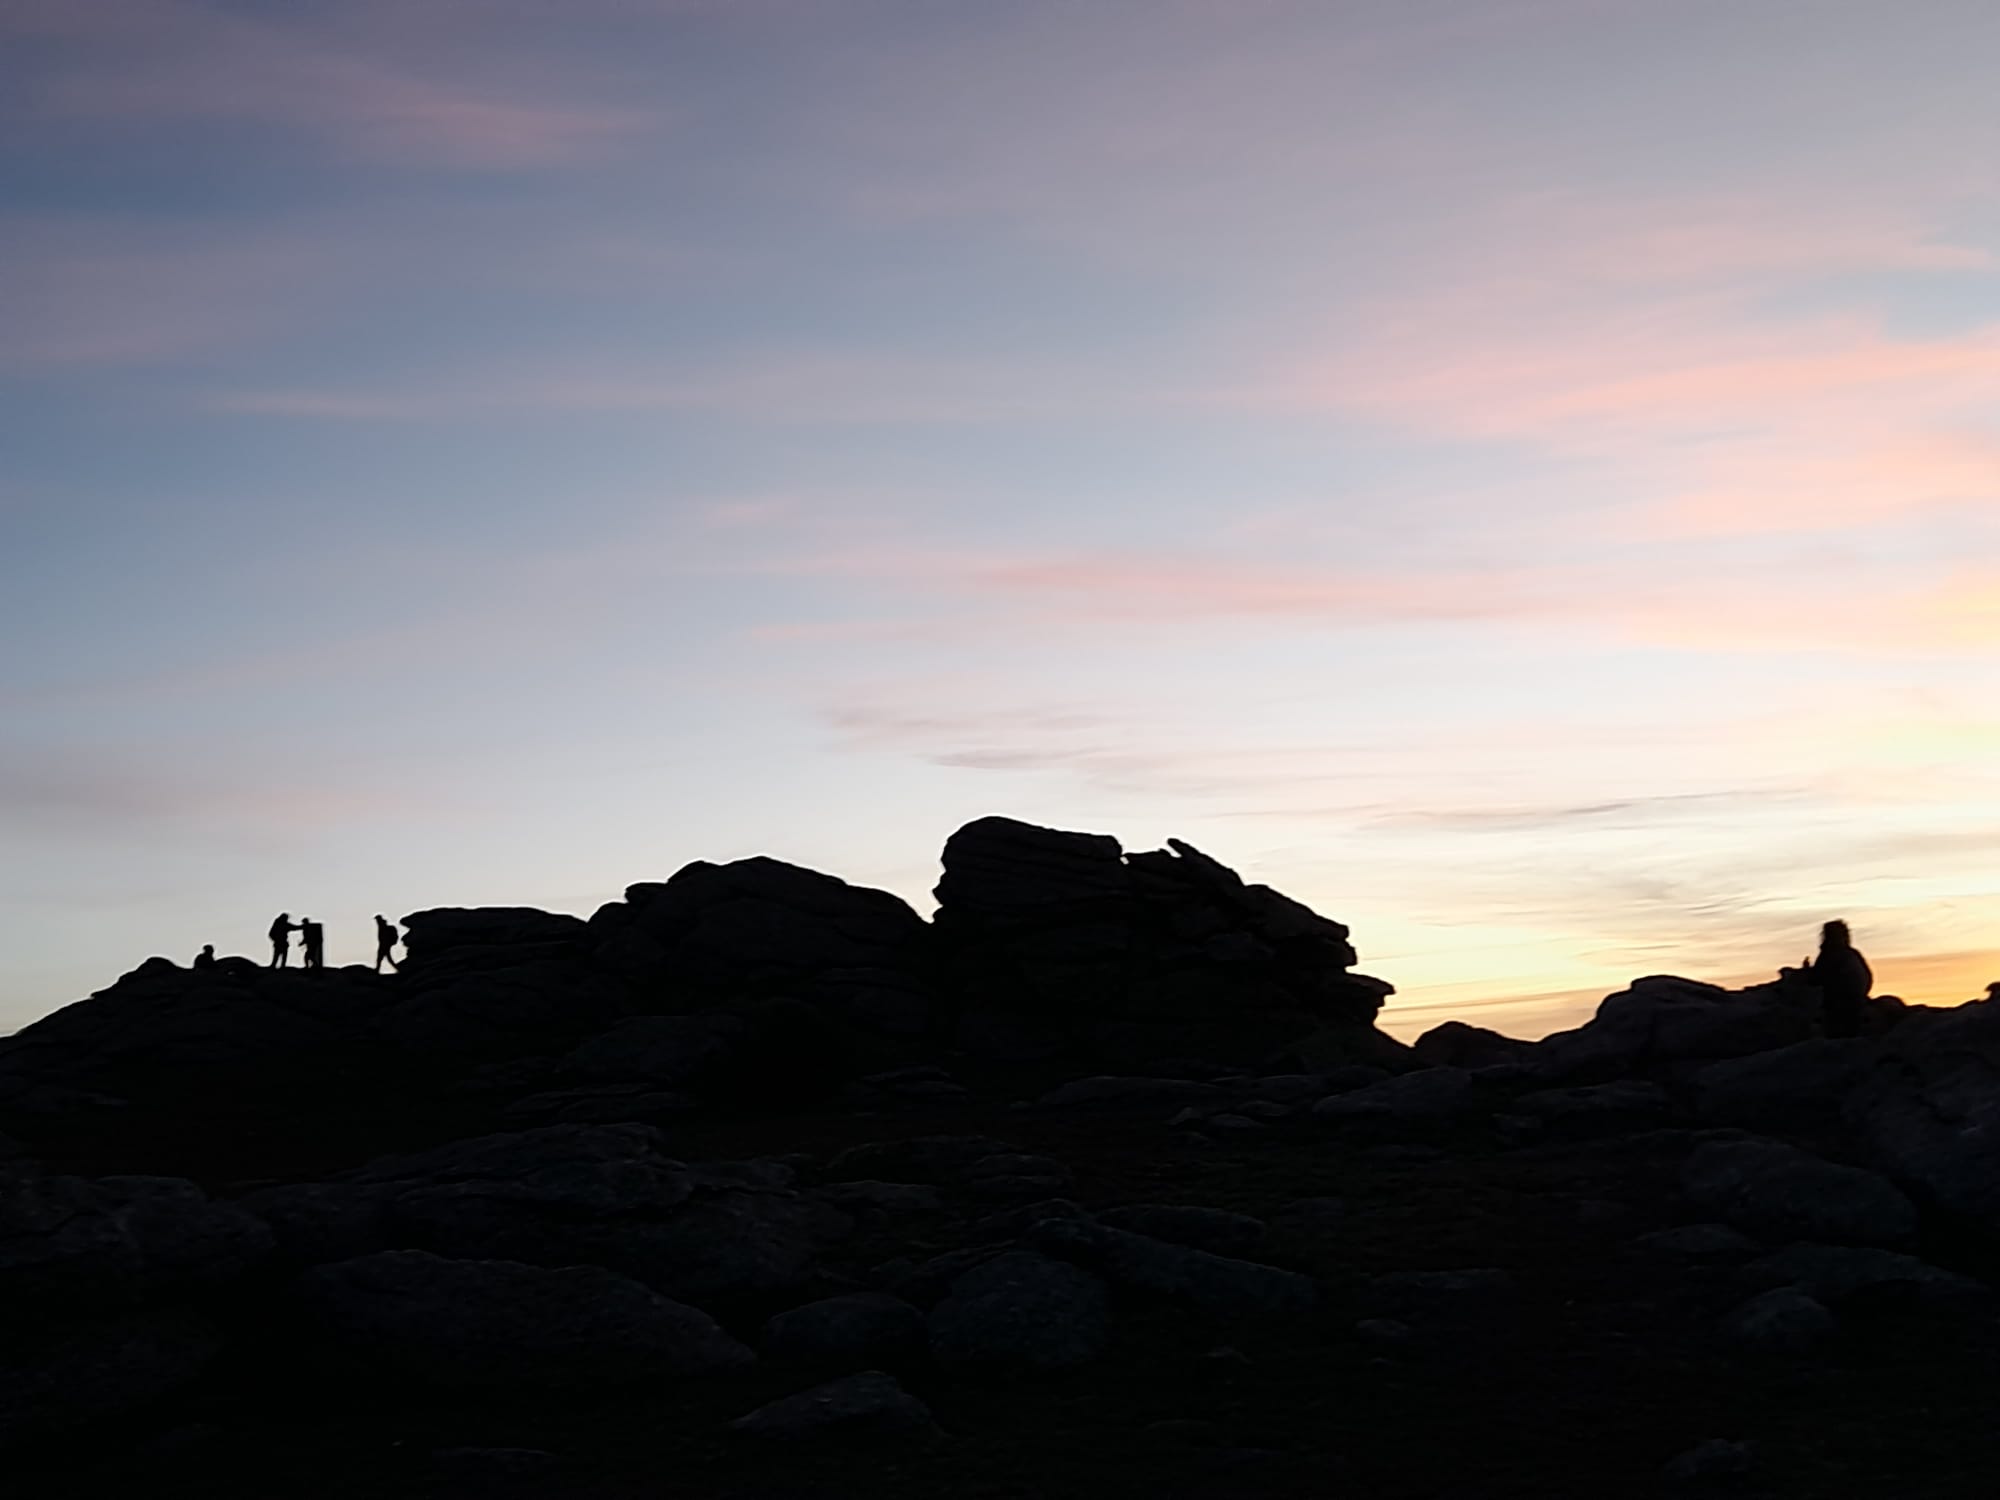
[1522, 476]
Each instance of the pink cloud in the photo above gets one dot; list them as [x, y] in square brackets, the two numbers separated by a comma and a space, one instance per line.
[1836, 484]
[1859, 607]
[1588, 382]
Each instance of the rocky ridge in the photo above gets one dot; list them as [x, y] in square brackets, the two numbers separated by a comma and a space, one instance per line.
[1103, 1181]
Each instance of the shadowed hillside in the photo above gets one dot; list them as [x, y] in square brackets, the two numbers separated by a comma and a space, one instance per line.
[1102, 1182]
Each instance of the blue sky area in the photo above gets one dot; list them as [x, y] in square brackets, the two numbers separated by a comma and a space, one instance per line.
[1520, 475]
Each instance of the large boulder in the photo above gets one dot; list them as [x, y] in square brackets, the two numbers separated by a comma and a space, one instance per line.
[1459, 1044]
[1800, 1087]
[1427, 1099]
[1768, 1187]
[758, 928]
[63, 1382]
[995, 868]
[411, 1315]
[605, 1195]
[469, 937]
[667, 1051]
[1223, 1288]
[74, 1242]
[1783, 1321]
[1216, 1230]
[205, 1038]
[1021, 1312]
[1839, 1273]
[1662, 1021]
[1928, 1110]
[854, 1331]
[869, 1406]
[1597, 1109]
[538, 1000]
[924, 1158]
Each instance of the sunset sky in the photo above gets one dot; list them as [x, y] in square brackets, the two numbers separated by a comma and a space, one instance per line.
[1522, 476]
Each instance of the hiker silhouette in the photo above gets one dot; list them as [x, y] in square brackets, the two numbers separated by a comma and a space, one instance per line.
[281, 939]
[386, 938]
[312, 940]
[206, 958]
[1844, 980]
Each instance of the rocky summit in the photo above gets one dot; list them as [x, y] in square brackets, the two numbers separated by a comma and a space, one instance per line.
[1100, 1182]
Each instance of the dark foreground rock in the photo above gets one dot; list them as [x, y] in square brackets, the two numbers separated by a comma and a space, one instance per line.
[1021, 1312]
[1224, 1288]
[1928, 1110]
[1108, 1167]
[1770, 1187]
[869, 1406]
[64, 1382]
[409, 1315]
[858, 1330]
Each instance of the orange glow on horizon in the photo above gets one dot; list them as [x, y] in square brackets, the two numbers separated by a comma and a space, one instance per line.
[1934, 979]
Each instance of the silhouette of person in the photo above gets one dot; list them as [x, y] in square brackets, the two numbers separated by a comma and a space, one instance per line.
[281, 939]
[1993, 990]
[312, 939]
[386, 938]
[206, 958]
[1844, 980]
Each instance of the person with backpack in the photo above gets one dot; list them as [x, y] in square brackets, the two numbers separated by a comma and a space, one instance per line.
[312, 939]
[386, 938]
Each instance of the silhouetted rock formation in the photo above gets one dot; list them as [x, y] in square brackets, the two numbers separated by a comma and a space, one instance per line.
[725, 935]
[1136, 958]
[749, 979]
[1112, 1140]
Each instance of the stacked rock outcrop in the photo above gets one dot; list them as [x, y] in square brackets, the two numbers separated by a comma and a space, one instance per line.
[1136, 957]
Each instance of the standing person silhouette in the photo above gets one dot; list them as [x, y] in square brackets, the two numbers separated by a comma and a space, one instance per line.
[1844, 980]
[281, 939]
[385, 938]
[312, 938]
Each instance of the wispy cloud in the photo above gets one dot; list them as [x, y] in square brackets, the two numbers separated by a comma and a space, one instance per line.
[841, 386]
[120, 293]
[1888, 609]
[87, 794]
[144, 61]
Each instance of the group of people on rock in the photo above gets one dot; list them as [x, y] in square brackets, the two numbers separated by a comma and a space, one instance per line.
[312, 944]
[1838, 970]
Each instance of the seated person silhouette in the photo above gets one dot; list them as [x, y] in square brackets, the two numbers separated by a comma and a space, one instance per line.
[1844, 980]
[206, 958]
[281, 940]
[385, 938]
